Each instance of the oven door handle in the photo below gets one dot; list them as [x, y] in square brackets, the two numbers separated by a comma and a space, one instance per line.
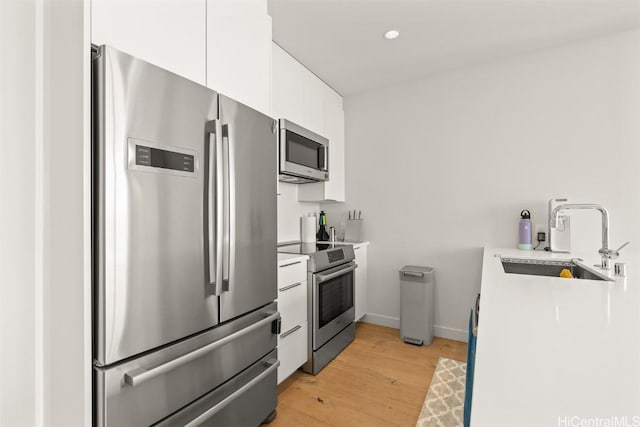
[324, 277]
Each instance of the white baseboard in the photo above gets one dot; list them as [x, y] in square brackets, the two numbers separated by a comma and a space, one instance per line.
[378, 319]
[451, 333]
[439, 331]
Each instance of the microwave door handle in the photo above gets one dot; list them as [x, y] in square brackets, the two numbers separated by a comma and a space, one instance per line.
[326, 158]
[228, 204]
[211, 204]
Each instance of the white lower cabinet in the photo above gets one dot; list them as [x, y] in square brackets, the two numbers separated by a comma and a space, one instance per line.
[292, 305]
[361, 281]
[292, 350]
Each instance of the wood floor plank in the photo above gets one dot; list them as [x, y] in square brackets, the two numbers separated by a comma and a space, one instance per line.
[377, 381]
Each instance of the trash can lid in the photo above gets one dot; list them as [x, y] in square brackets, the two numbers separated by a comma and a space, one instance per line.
[416, 269]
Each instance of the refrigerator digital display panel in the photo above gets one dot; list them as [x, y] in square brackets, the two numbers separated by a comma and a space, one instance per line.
[157, 158]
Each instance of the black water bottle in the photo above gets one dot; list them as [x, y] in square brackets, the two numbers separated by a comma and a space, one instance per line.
[322, 234]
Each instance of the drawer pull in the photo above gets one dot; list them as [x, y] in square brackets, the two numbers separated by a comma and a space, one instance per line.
[271, 364]
[290, 331]
[290, 264]
[140, 375]
[286, 288]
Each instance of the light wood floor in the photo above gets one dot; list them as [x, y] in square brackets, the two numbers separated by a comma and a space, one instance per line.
[377, 381]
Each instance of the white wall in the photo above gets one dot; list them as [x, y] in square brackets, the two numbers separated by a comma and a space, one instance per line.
[45, 264]
[290, 211]
[443, 166]
[17, 214]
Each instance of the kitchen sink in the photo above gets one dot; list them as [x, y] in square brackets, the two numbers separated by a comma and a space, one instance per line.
[551, 268]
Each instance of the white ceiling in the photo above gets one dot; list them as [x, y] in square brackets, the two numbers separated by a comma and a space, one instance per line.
[341, 40]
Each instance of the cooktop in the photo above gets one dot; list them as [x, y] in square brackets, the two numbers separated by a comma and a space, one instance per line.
[322, 256]
[308, 248]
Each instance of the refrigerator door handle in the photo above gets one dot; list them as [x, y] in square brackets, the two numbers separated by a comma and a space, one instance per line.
[141, 375]
[212, 193]
[229, 201]
[220, 210]
[200, 419]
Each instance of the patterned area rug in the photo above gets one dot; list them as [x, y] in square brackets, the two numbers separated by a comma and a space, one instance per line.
[445, 399]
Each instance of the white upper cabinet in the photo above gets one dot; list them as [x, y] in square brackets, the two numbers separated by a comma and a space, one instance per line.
[239, 51]
[313, 107]
[288, 87]
[300, 96]
[170, 34]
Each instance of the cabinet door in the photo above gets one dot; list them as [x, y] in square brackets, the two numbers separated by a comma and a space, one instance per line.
[239, 51]
[313, 103]
[288, 87]
[170, 34]
[361, 282]
[334, 189]
[292, 350]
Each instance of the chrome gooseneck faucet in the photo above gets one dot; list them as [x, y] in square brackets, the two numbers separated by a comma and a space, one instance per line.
[606, 253]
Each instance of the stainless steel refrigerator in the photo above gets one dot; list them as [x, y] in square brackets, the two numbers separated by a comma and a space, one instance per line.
[184, 208]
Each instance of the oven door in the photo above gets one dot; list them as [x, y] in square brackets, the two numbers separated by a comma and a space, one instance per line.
[332, 301]
[303, 153]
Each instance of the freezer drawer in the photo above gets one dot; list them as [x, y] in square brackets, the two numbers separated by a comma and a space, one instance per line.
[146, 389]
[246, 400]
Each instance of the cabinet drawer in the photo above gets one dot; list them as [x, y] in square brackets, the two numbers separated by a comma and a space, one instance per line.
[291, 272]
[292, 350]
[292, 304]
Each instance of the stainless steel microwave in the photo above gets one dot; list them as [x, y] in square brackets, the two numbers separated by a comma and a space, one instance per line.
[304, 155]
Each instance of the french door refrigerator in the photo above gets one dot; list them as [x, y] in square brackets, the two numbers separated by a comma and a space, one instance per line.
[184, 241]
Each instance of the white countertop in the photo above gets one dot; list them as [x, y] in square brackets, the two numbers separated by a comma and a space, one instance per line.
[550, 348]
[284, 258]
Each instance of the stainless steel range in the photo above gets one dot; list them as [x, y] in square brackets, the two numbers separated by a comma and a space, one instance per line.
[330, 296]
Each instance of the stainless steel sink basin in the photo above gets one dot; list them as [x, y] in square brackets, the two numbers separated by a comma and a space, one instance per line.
[551, 268]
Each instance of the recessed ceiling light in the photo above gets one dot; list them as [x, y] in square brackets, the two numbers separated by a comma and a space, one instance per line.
[391, 34]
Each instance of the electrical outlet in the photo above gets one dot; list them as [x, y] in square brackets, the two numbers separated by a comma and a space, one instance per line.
[540, 229]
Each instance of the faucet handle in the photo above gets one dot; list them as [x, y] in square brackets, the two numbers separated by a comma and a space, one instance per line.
[623, 245]
[612, 253]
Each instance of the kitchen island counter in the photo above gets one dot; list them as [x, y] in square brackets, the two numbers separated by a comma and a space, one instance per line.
[554, 351]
